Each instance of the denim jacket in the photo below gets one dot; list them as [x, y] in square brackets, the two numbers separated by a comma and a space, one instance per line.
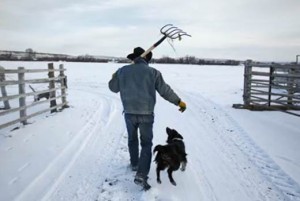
[137, 84]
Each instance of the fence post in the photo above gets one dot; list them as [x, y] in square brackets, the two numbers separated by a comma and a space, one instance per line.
[63, 84]
[52, 92]
[271, 81]
[22, 99]
[290, 85]
[247, 82]
[3, 89]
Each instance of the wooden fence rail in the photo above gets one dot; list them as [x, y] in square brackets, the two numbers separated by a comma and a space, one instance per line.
[269, 86]
[49, 94]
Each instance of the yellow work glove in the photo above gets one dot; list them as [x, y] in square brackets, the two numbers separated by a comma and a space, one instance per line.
[182, 106]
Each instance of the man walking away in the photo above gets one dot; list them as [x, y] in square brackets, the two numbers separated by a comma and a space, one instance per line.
[137, 84]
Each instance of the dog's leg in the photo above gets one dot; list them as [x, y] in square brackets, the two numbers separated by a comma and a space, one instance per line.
[183, 165]
[158, 175]
[170, 170]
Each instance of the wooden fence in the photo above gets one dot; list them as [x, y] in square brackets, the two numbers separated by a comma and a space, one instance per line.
[22, 82]
[270, 86]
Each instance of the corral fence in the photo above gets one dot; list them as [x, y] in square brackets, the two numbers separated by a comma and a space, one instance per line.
[21, 84]
[271, 86]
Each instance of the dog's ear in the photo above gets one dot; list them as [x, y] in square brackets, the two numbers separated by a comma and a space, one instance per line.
[179, 136]
[168, 130]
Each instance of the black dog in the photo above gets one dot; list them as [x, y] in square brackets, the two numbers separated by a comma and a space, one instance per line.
[170, 156]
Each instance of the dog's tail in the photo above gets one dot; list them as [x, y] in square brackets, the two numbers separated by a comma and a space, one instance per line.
[157, 148]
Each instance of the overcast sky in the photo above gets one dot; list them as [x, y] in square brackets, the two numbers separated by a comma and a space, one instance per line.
[230, 29]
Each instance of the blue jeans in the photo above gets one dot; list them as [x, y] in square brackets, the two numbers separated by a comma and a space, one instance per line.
[145, 125]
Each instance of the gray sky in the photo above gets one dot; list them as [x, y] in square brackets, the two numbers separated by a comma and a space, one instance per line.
[229, 29]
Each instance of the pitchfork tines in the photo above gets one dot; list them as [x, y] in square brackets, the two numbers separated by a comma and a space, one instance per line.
[173, 32]
[169, 31]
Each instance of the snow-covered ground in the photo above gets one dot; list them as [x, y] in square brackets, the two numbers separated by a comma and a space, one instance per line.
[81, 153]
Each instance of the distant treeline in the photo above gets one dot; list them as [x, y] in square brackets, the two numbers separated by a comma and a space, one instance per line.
[30, 55]
[196, 61]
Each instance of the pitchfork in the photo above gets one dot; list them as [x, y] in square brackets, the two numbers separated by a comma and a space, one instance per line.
[169, 31]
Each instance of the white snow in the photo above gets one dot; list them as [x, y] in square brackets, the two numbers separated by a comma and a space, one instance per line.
[81, 153]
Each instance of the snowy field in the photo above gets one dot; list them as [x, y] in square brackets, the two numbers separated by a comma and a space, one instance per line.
[81, 153]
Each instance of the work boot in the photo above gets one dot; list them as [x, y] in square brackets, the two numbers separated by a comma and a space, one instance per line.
[141, 181]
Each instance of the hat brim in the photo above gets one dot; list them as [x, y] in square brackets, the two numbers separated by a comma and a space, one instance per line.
[131, 56]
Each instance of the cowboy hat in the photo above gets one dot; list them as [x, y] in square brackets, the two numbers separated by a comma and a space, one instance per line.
[138, 51]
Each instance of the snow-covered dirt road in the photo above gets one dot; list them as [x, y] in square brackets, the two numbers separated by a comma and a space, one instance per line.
[81, 153]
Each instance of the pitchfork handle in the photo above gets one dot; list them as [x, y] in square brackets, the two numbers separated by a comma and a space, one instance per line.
[154, 46]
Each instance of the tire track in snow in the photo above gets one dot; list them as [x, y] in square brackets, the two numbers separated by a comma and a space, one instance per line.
[231, 137]
[57, 168]
[85, 178]
[264, 163]
[61, 163]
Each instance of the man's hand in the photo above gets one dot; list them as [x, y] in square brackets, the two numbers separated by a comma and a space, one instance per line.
[182, 106]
